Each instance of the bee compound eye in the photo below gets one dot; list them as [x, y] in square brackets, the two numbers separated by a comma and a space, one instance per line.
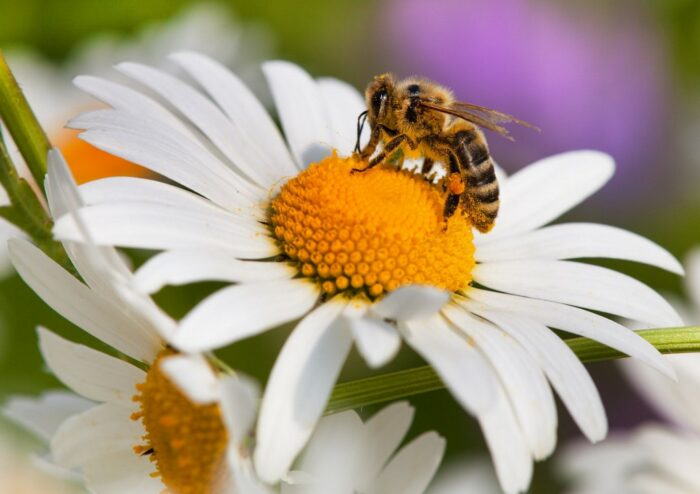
[378, 99]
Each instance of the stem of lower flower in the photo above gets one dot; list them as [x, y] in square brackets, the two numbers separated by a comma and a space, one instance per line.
[22, 123]
[26, 209]
[402, 384]
[27, 213]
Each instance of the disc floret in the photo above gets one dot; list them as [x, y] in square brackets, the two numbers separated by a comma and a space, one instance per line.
[370, 233]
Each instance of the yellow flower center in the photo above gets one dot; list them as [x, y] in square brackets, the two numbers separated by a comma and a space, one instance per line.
[371, 232]
[187, 442]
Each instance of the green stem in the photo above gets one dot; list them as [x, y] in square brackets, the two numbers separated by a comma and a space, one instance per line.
[22, 123]
[402, 384]
[26, 212]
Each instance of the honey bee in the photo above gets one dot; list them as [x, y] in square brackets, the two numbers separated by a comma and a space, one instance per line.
[421, 115]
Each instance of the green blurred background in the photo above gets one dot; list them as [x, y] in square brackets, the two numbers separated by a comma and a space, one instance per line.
[511, 55]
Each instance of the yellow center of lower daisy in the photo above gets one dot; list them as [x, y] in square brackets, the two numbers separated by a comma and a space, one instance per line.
[372, 231]
[187, 442]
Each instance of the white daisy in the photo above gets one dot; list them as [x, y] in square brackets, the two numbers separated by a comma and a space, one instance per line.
[208, 28]
[347, 456]
[317, 243]
[140, 432]
[654, 458]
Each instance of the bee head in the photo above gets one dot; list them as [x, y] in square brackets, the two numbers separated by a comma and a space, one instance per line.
[378, 96]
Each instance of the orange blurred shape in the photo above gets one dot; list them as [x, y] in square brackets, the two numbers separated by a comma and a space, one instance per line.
[89, 163]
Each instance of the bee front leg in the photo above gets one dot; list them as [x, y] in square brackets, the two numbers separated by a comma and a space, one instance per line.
[390, 146]
[427, 166]
[374, 139]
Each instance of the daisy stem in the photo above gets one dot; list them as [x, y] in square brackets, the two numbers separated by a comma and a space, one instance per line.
[26, 211]
[22, 123]
[405, 383]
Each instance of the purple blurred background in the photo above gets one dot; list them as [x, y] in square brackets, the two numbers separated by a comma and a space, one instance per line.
[587, 80]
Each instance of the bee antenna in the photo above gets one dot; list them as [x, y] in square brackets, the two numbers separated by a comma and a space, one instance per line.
[361, 119]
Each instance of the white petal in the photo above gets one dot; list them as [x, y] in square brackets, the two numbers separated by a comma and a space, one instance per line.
[461, 367]
[243, 478]
[652, 482]
[122, 472]
[80, 305]
[44, 414]
[61, 190]
[204, 115]
[98, 267]
[102, 268]
[127, 191]
[154, 145]
[412, 469]
[609, 460]
[385, 431]
[509, 450]
[193, 375]
[333, 455]
[693, 277]
[466, 476]
[377, 341]
[140, 190]
[672, 454]
[239, 404]
[543, 191]
[563, 369]
[7, 232]
[573, 240]
[584, 285]
[411, 302]
[678, 402]
[300, 107]
[93, 374]
[501, 174]
[155, 226]
[124, 98]
[240, 311]
[99, 431]
[343, 104]
[256, 133]
[298, 389]
[522, 380]
[577, 321]
[179, 267]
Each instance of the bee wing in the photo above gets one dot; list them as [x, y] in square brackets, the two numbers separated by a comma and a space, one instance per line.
[479, 115]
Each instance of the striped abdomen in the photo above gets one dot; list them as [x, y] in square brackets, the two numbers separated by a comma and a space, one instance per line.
[481, 193]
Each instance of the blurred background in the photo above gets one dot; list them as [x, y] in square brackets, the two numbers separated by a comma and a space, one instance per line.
[617, 76]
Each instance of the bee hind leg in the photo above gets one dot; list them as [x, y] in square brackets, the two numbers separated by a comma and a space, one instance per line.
[454, 186]
[451, 204]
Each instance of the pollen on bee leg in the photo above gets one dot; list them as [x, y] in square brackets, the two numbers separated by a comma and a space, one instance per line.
[455, 184]
[369, 233]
